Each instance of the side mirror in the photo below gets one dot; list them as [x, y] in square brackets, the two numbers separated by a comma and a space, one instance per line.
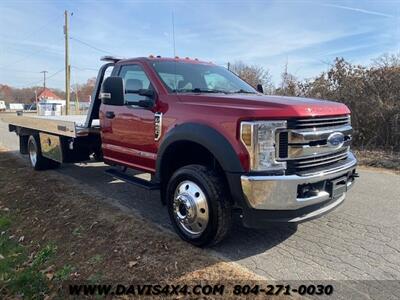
[260, 88]
[112, 91]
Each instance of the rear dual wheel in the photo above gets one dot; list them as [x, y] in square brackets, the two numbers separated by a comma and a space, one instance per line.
[37, 160]
[198, 205]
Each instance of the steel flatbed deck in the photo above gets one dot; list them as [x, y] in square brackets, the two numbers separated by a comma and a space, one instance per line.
[70, 125]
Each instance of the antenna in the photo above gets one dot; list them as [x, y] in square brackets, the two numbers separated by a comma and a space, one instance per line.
[67, 65]
[173, 32]
[285, 73]
[173, 45]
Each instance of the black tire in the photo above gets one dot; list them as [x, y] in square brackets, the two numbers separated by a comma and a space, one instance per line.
[41, 162]
[98, 156]
[218, 204]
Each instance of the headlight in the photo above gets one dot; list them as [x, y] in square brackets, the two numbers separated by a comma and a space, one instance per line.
[259, 140]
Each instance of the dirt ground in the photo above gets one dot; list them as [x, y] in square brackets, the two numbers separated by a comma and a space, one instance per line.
[379, 159]
[98, 242]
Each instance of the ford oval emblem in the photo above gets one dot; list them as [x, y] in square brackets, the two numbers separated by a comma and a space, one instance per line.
[335, 140]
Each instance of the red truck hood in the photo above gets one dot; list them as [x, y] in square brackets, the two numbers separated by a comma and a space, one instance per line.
[261, 106]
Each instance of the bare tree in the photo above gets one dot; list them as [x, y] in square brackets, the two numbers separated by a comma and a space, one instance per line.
[371, 93]
[85, 90]
[22, 95]
[253, 75]
[387, 60]
[289, 85]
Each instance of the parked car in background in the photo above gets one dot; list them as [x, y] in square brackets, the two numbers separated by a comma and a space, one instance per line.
[30, 106]
[2, 106]
[16, 106]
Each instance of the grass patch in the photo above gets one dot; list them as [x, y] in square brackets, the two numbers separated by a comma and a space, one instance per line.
[44, 255]
[77, 231]
[12, 256]
[96, 259]
[64, 273]
[19, 276]
[5, 222]
[95, 278]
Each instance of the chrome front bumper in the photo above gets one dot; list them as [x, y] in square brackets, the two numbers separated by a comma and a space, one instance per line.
[281, 192]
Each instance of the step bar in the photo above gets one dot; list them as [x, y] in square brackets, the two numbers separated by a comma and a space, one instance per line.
[149, 185]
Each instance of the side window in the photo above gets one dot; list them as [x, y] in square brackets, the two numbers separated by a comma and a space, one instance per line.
[135, 79]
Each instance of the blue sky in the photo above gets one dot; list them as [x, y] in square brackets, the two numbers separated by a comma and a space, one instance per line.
[306, 34]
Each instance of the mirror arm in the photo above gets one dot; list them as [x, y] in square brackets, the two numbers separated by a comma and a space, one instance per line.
[146, 103]
[260, 88]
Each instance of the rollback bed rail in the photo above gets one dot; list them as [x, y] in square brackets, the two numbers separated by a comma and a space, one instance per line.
[93, 112]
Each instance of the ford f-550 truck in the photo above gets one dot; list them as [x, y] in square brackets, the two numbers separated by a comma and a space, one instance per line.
[216, 148]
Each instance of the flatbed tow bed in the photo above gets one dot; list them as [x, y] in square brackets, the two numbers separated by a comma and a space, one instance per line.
[70, 125]
[59, 139]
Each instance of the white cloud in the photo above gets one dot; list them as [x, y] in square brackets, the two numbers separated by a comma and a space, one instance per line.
[360, 10]
[264, 33]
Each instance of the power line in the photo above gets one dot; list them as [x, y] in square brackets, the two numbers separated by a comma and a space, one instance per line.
[35, 52]
[24, 58]
[41, 27]
[47, 77]
[55, 73]
[22, 48]
[84, 68]
[18, 71]
[38, 29]
[90, 46]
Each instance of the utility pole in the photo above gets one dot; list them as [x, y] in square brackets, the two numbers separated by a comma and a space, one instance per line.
[44, 79]
[67, 67]
[36, 101]
[76, 100]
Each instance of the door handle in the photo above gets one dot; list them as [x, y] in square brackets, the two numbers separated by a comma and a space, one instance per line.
[110, 114]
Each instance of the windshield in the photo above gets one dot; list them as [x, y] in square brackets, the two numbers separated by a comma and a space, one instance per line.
[183, 77]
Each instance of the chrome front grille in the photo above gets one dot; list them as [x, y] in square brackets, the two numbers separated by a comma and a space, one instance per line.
[319, 122]
[306, 164]
[307, 143]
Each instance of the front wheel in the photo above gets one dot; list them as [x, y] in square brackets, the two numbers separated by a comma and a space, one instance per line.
[198, 205]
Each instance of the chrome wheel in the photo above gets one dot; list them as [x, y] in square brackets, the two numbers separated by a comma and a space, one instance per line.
[190, 208]
[33, 153]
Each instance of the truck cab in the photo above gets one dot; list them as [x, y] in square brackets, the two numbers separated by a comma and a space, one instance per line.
[216, 148]
[197, 126]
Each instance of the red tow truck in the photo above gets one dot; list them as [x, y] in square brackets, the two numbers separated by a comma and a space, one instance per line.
[216, 148]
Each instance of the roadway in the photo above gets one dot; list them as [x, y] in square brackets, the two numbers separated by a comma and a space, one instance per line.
[360, 240]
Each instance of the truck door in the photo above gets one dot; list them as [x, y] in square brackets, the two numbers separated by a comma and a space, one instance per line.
[128, 135]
